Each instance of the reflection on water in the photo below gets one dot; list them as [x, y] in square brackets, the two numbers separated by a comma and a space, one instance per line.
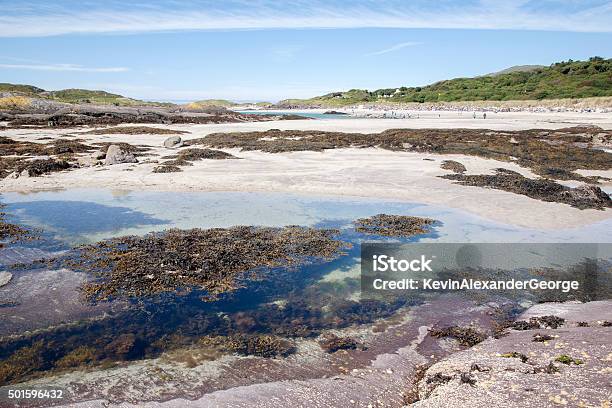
[65, 218]
[88, 215]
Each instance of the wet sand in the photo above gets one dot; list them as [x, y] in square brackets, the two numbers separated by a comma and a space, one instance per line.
[378, 173]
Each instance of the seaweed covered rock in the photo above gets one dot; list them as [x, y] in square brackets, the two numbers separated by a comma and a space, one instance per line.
[36, 168]
[332, 343]
[467, 336]
[539, 322]
[393, 225]
[214, 260]
[117, 155]
[582, 197]
[453, 166]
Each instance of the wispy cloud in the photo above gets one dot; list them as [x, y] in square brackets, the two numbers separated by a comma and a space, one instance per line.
[61, 67]
[396, 47]
[29, 18]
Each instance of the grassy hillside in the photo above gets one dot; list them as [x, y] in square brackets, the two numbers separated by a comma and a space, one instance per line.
[21, 89]
[569, 79]
[73, 95]
[206, 103]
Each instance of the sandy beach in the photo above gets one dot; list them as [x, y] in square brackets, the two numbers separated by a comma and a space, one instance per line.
[371, 172]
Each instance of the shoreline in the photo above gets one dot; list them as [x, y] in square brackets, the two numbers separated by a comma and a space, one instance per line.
[343, 172]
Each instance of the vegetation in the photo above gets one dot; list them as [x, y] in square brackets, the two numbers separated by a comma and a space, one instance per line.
[22, 89]
[207, 103]
[567, 79]
[73, 96]
[565, 359]
[15, 102]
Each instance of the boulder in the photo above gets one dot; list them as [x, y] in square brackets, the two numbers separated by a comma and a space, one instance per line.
[98, 155]
[5, 278]
[173, 142]
[117, 155]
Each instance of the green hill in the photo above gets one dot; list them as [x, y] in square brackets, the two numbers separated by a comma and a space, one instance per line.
[568, 79]
[206, 103]
[75, 96]
[20, 89]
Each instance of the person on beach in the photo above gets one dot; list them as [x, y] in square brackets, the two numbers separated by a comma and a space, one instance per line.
[484, 115]
[474, 115]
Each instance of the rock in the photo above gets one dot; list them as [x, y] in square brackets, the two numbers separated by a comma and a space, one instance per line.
[98, 155]
[117, 155]
[591, 193]
[173, 142]
[87, 161]
[5, 278]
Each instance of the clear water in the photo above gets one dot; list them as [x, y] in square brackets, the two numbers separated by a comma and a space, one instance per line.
[310, 293]
[299, 113]
[88, 215]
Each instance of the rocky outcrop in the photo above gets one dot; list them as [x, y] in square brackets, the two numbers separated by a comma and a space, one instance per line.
[117, 155]
[5, 278]
[567, 366]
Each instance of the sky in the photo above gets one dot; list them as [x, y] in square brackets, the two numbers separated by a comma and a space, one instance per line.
[249, 50]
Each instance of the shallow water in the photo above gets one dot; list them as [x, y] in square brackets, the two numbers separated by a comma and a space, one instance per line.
[323, 295]
[88, 215]
[312, 115]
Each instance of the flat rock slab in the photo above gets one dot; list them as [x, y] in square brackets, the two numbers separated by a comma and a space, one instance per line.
[510, 382]
[5, 278]
[572, 312]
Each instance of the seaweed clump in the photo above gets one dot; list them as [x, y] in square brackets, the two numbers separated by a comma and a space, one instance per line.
[36, 168]
[515, 354]
[24, 362]
[267, 346]
[541, 322]
[214, 260]
[332, 343]
[581, 197]
[17, 156]
[186, 157]
[541, 338]
[12, 232]
[467, 336]
[565, 359]
[135, 130]
[453, 166]
[165, 168]
[393, 225]
[542, 150]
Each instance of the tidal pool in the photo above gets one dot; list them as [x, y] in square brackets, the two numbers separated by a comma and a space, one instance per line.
[88, 215]
[294, 302]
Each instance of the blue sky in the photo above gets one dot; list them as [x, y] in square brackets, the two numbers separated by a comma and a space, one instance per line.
[269, 50]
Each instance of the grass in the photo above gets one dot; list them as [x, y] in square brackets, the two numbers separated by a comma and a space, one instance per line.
[73, 95]
[15, 102]
[565, 359]
[562, 80]
[207, 103]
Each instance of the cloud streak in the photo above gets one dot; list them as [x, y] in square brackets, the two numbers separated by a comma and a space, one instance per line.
[61, 68]
[394, 48]
[30, 19]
